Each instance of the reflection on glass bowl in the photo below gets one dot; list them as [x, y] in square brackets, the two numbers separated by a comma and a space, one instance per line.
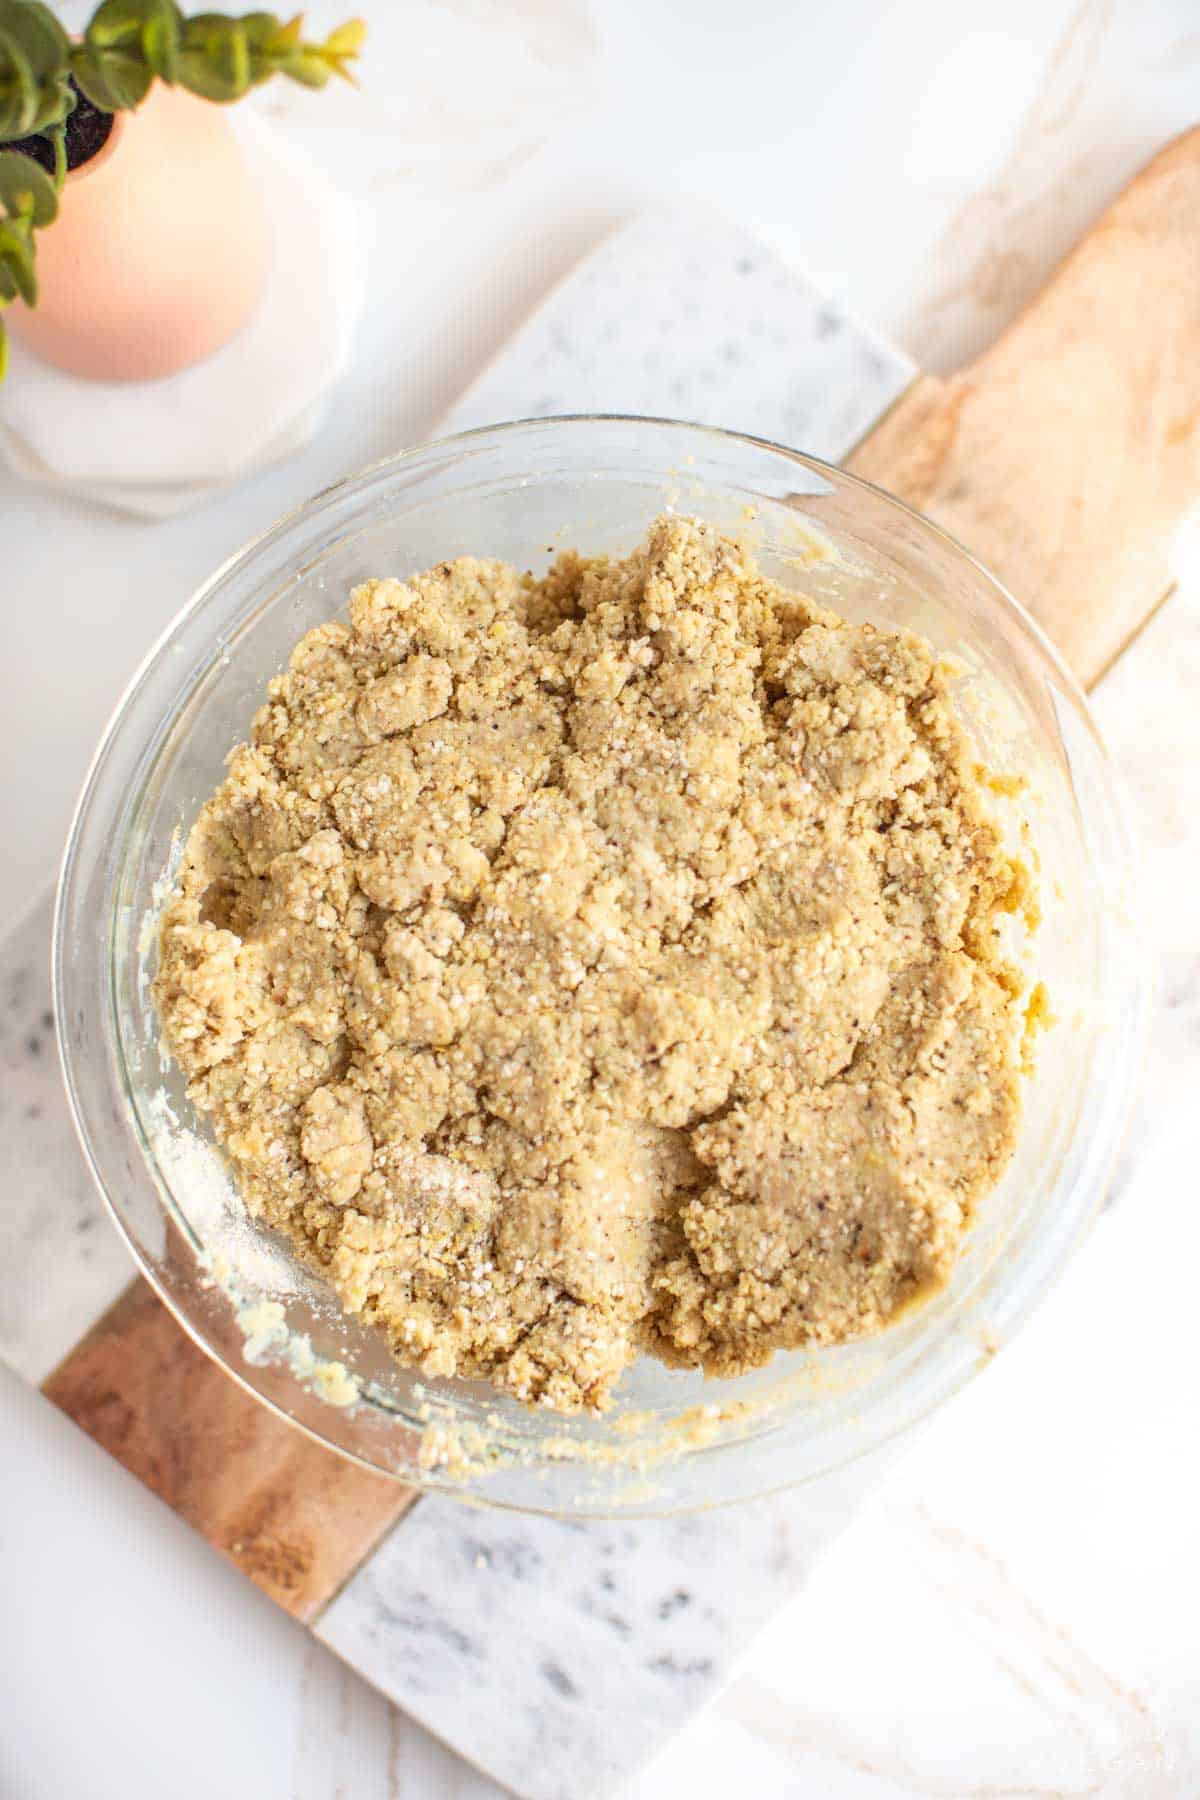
[674, 1439]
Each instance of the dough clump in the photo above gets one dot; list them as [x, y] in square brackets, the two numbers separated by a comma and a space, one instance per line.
[603, 964]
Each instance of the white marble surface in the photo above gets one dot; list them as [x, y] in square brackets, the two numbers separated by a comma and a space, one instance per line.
[1016, 1613]
[61, 1261]
[561, 1655]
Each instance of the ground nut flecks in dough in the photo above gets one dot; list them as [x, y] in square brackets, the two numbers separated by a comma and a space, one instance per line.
[603, 964]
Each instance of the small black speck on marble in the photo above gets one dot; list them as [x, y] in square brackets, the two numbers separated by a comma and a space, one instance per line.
[560, 1681]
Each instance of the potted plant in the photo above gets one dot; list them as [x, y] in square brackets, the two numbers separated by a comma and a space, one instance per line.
[127, 217]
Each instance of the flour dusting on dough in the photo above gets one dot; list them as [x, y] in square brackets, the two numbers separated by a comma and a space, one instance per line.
[604, 964]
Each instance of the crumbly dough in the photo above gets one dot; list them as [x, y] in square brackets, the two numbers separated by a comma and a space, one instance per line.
[603, 963]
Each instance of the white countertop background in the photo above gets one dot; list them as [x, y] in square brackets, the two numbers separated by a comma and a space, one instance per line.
[1016, 1614]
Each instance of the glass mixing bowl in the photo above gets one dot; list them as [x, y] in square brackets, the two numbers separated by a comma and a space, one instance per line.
[673, 1439]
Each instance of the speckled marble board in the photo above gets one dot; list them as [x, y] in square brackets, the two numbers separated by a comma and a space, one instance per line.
[681, 314]
[558, 1657]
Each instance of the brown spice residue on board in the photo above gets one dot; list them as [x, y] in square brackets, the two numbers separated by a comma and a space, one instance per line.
[604, 964]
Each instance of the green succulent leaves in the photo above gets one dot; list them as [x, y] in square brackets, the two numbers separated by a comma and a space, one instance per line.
[26, 191]
[129, 44]
[126, 46]
[222, 57]
[28, 199]
[34, 53]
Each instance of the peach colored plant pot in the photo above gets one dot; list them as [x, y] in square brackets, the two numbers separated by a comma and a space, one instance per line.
[159, 251]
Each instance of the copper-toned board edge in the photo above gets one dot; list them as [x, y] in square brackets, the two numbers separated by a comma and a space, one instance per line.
[297, 1518]
[1068, 454]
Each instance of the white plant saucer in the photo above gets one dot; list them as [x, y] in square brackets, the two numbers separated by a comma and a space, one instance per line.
[157, 447]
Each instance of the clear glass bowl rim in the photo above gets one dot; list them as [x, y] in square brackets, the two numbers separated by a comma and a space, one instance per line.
[359, 484]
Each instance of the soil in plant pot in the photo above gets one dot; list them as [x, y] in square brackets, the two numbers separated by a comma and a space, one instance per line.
[87, 133]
